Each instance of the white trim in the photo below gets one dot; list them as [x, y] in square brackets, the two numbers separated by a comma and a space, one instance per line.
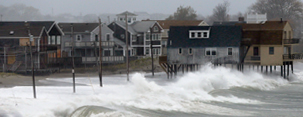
[231, 51]
[191, 51]
[196, 34]
[211, 50]
[179, 51]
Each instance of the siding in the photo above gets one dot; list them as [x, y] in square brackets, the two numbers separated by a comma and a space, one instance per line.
[198, 56]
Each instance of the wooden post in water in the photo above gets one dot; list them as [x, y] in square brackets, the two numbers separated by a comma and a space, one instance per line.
[284, 70]
[281, 70]
[292, 67]
[100, 53]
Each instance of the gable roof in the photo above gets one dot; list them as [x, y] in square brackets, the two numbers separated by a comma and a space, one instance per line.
[268, 25]
[165, 24]
[220, 36]
[137, 27]
[78, 27]
[17, 31]
[142, 26]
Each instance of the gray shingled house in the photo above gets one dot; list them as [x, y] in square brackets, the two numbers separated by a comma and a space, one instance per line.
[196, 45]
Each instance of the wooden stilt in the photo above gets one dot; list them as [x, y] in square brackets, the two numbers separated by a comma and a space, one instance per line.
[270, 69]
[288, 69]
[275, 68]
[284, 70]
[281, 70]
[292, 67]
[266, 69]
[167, 71]
[261, 68]
[182, 69]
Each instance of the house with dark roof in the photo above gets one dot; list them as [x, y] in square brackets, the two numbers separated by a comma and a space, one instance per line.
[140, 35]
[15, 37]
[86, 43]
[271, 43]
[196, 45]
[166, 24]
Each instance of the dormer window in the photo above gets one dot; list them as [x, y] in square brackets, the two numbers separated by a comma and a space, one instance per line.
[198, 34]
[156, 29]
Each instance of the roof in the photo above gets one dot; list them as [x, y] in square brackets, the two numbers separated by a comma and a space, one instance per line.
[128, 14]
[220, 36]
[165, 24]
[268, 25]
[142, 26]
[46, 24]
[13, 31]
[123, 25]
[78, 27]
[228, 23]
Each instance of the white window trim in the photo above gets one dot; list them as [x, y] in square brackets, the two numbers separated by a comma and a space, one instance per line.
[109, 37]
[231, 51]
[179, 51]
[196, 34]
[156, 29]
[77, 38]
[191, 51]
[211, 50]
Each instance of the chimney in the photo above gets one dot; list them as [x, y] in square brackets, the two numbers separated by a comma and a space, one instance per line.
[281, 20]
[241, 19]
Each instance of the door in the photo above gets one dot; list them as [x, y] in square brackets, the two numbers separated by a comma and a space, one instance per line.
[256, 51]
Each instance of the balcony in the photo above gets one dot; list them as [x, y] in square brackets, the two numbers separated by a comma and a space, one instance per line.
[293, 56]
[253, 58]
[105, 59]
[291, 41]
[90, 44]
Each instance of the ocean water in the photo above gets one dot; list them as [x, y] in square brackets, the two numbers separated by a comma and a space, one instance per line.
[211, 91]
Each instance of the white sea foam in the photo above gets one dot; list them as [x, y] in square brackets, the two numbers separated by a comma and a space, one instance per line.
[191, 93]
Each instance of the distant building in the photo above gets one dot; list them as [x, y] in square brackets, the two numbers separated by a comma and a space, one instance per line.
[256, 18]
[140, 34]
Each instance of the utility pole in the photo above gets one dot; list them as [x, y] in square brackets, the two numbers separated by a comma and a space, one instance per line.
[32, 63]
[4, 63]
[100, 53]
[151, 50]
[126, 39]
[73, 58]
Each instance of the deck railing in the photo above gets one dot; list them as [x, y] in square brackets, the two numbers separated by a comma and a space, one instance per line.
[253, 58]
[90, 44]
[293, 56]
[291, 41]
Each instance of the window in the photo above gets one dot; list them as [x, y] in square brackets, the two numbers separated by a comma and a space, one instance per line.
[190, 51]
[121, 19]
[78, 37]
[129, 20]
[156, 29]
[96, 38]
[210, 51]
[134, 38]
[192, 34]
[156, 51]
[107, 37]
[229, 51]
[180, 50]
[146, 50]
[271, 50]
[134, 19]
[199, 34]
[256, 51]
[122, 36]
[147, 36]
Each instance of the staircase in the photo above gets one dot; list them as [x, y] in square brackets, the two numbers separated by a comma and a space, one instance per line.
[15, 66]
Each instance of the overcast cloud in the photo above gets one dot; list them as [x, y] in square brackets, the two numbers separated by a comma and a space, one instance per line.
[76, 7]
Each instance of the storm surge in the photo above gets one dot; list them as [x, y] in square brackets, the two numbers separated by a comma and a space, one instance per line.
[193, 92]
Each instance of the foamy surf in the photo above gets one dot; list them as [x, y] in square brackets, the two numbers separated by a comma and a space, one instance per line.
[191, 93]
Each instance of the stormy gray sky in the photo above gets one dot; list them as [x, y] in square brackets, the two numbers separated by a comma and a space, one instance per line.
[76, 7]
